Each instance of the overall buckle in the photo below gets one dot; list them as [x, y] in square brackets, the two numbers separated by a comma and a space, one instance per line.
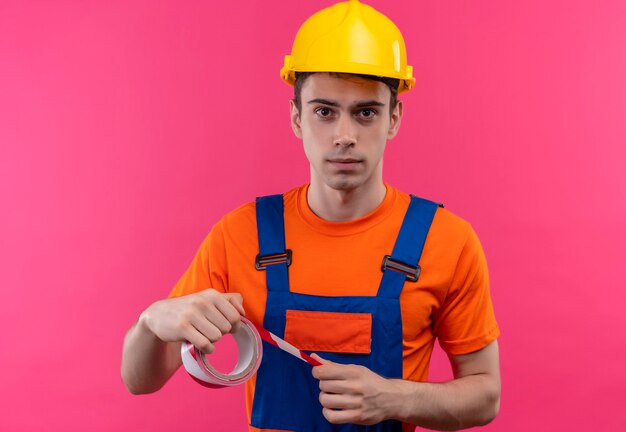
[412, 273]
[262, 261]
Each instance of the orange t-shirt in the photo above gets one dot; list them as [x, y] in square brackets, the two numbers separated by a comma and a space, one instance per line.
[451, 300]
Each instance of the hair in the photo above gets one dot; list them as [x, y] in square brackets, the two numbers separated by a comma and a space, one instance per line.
[392, 83]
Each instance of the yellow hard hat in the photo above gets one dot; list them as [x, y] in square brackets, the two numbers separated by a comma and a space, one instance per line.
[349, 37]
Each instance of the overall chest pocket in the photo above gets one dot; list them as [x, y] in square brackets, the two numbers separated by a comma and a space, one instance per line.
[338, 332]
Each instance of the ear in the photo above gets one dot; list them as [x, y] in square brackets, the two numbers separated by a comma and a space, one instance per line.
[396, 119]
[295, 119]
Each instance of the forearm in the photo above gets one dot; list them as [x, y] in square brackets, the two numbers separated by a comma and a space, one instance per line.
[151, 351]
[461, 403]
[147, 361]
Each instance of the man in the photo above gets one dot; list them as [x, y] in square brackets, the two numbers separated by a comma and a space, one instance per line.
[373, 326]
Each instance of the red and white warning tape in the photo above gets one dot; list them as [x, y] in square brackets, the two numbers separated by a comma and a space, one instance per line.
[248, 339]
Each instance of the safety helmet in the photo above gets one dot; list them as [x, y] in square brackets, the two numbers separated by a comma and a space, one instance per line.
[349, 37]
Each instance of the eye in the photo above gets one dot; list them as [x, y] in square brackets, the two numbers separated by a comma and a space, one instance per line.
[323, 112]
[367, 113]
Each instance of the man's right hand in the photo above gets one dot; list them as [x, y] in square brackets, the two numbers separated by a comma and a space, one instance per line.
[201, 318]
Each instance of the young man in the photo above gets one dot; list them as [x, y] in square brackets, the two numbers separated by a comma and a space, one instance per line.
[353, 290]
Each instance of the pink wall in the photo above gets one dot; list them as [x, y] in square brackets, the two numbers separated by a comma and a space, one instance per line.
[128, 128]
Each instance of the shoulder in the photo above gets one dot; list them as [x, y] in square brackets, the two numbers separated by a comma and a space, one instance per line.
[445, 222]
[243, 215]
[453, 225]
[242, 220]
[448, 233]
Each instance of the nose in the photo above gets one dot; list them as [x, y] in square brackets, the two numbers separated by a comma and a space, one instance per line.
[345, 132]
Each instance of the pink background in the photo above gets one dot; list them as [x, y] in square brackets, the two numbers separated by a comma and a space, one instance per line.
[128, 128]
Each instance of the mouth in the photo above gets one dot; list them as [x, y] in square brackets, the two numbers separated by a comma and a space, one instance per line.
[345, 163]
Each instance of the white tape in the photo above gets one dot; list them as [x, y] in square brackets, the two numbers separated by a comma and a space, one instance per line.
[249, 344]
[250, 353]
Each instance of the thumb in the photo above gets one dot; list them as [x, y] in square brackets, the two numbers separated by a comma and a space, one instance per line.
[321, 360]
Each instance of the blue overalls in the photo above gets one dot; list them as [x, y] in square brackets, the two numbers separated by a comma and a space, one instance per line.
[286, 395]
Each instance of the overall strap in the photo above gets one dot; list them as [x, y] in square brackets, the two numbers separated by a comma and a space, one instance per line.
[403, 263]
[273, 256]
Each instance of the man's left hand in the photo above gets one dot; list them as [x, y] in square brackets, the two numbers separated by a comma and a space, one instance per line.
[352, 393]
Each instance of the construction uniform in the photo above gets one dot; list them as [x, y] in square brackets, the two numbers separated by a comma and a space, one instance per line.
[335, 299]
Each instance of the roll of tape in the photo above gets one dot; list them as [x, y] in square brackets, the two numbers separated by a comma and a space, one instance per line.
[249, 344]
[250, 350]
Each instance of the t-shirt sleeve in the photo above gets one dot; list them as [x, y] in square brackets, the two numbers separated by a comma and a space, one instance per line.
[466, 321]
[208, 268]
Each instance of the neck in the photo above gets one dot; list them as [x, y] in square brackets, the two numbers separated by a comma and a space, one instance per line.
[344, 205]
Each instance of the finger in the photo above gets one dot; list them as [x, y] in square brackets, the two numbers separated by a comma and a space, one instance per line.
[198, 340]
[228, 311]
[317, 372]
[217, 318]
[321, 360]
[341, 416]
[236, 300]
[206, 328]
[331, 371]
[339, 401]
[336, 386]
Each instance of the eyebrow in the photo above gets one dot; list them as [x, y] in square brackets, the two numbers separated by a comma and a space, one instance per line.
[367, 103]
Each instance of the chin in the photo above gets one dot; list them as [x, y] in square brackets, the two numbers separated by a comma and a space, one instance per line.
[343, 184]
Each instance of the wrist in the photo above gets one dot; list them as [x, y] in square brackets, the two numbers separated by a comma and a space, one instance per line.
[404, 400]
[393, 398]
[143, 325]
